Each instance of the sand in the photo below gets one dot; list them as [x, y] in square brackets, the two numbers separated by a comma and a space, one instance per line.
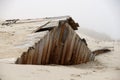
[105, 67]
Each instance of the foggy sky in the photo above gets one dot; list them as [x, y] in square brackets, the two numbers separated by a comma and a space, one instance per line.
[99, 15]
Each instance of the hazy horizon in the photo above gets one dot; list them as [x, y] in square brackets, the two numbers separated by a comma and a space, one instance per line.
[100, 15]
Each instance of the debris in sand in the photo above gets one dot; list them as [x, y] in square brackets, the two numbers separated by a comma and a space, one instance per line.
[61, 45]
[101, 51]
[8, 22]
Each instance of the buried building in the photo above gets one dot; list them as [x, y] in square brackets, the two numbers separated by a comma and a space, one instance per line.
[58, 44]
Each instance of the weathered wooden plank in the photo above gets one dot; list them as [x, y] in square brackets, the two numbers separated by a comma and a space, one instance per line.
[41, 45]
[81, 53]
[25, 58]
[61, 40]
[35, 57]
[71, 49]
[82, 56]
[49, 47]
[64, 37]
[28, 57]
[85, 54]
[31, 53]
[51, 59]
[77, 52]
[67, 48]
[44, 49]
[57, 48]
[64, 49]
[74, 50]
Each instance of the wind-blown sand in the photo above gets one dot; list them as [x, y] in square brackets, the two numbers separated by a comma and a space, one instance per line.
[105, 67]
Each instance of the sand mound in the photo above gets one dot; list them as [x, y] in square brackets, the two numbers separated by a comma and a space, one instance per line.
[105, 66]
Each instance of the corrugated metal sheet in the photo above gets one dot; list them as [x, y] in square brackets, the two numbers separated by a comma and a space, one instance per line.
[61, 45]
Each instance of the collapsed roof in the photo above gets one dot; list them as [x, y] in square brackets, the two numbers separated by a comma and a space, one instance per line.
[59, 44]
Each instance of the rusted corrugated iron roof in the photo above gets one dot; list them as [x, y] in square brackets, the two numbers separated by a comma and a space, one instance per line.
[61, 45]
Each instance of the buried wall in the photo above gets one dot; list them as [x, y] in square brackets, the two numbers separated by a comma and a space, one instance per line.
[61, 45]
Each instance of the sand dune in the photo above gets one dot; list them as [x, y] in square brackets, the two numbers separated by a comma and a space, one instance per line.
[105, 66]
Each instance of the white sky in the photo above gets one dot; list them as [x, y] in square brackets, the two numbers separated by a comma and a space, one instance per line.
[99, 15]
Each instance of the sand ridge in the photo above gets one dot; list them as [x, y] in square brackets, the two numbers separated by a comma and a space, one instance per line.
[105, 66]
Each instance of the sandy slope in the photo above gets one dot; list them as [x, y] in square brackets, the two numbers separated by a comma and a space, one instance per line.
[13, 35]
[105, 66]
